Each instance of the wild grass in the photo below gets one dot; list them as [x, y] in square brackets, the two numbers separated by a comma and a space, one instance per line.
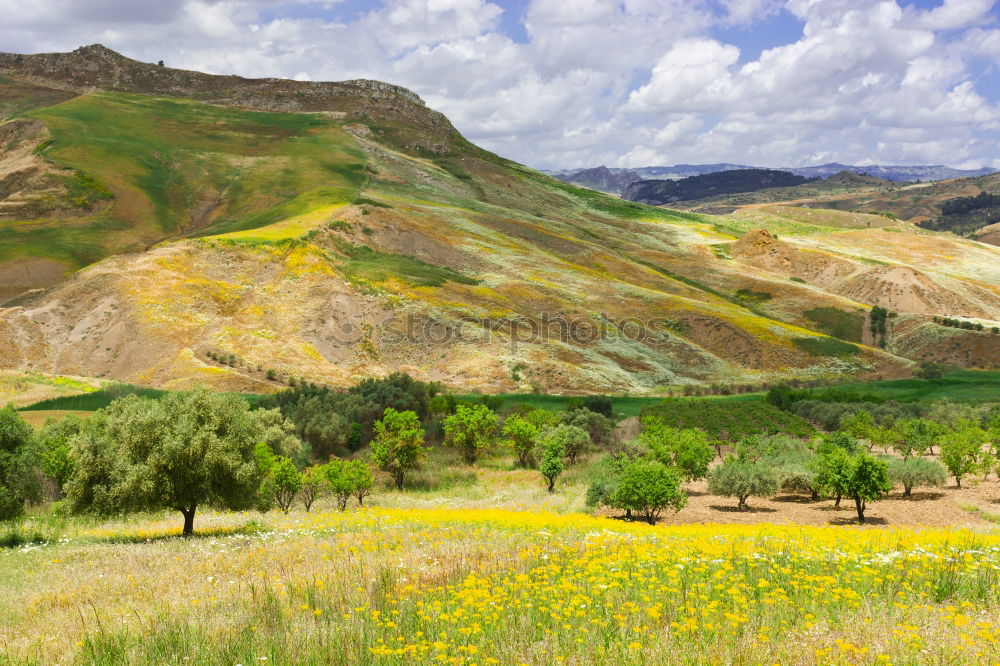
[959, 385]
[387, 586]
[822, 346]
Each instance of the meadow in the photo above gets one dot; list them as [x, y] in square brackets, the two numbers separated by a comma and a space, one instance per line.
[392, 586]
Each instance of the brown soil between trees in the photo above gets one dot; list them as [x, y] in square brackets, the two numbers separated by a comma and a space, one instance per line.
[929, 507]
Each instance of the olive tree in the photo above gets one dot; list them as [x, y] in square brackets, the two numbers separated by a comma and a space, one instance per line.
[398, 446]
[742, 480]
[916, 472]
[181, 452]
[470, 430]
[648, 487]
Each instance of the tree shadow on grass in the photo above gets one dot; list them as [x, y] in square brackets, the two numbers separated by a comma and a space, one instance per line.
[853, 520]
[732, 508]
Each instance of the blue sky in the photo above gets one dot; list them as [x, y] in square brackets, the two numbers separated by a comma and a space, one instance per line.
[565, 83]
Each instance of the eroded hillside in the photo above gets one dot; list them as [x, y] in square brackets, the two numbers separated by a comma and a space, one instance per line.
[356, 233]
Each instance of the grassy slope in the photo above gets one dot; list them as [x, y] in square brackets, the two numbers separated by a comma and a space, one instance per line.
[169, 160]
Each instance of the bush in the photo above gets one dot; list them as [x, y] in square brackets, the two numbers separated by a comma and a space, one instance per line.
[54, 452]
[647, 487]
[18, 484]
[599, 427]
[470, 430]
[917, 472]
[339, 422]
[742, 480]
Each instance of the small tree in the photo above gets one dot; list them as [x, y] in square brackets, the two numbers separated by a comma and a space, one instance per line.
[552, 457]
[470, 430]
[522, 434]
[688, 450]
[859, 425]
[17, 483]
[314, 485]
[54, 451]
[180, 452]
[598, 426]
[574, 440]
[398, 446]
[917, 436]
[868, 480]
[340, 481]
[961, 450]
[361, 479]
[648, 487]
[284, 482]
[916, 472]
[832, 472]
[742, 480]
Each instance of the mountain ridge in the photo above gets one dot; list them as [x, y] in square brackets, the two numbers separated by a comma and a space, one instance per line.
[349, 241]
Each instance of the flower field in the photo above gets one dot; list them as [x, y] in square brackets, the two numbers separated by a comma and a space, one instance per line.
[489, 586]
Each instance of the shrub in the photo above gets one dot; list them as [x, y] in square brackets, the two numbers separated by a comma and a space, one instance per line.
[522, 434]
[398, 446]
[17, 483]
[180, 452]
[916, 472]
[598, 426]
[648, 487]
[54, 451]
[742, 480]
[470, 430]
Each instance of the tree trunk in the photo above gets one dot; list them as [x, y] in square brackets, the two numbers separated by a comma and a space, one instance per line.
[907, 490]
[651, 518]
[815, 495]
[837, 503]
[628, 514]
[188, 521]
[742, 506]
[552, 484]
[860, 505]
[958, 481]
[399, 481]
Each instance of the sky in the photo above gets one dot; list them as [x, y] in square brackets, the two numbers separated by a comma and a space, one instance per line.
[625, 83]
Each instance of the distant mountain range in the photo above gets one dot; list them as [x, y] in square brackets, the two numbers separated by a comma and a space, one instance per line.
[615, 180]
[660, 192]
